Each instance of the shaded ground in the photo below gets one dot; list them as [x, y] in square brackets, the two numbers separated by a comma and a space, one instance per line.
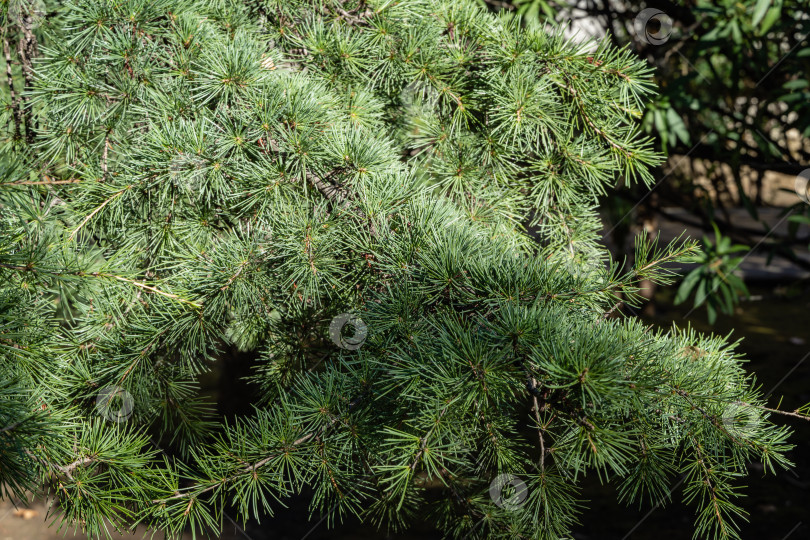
[29, 523]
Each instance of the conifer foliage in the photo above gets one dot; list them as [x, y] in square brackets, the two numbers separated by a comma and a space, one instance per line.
[392, 207]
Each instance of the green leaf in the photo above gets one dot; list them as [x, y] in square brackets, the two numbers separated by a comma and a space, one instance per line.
[760, 9]
[736, 33]
[800, 219]
[773, 15]
[677, 125]
[738, 284]
[688, 283]
[796, 84]
[700, 296]
[712, 313]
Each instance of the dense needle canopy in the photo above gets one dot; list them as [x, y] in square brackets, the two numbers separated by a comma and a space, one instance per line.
[184, 179]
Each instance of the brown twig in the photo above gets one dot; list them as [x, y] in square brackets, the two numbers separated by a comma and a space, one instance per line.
[15, 102]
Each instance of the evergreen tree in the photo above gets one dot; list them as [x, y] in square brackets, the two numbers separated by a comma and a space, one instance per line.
[392, 206]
